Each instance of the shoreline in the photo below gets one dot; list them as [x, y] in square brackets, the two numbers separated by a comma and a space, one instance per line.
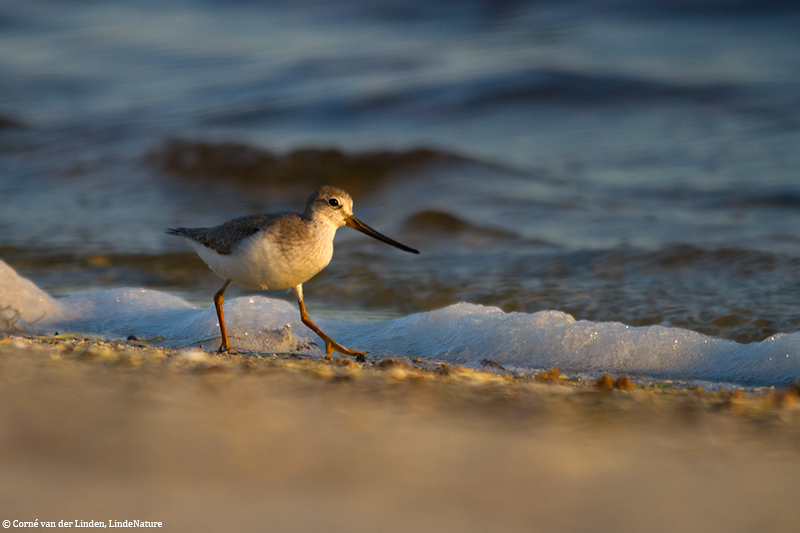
[112, 430]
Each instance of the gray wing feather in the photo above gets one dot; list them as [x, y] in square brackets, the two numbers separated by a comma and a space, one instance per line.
[224, 238]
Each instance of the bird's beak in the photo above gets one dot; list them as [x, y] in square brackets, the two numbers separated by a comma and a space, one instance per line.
[354, 223]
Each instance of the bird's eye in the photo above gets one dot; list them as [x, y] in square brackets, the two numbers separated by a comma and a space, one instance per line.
[333, 202]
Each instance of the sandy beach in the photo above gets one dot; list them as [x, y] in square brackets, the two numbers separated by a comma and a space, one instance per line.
[110, 431]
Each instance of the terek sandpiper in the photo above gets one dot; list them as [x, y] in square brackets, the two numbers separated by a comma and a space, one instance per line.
[280, 251]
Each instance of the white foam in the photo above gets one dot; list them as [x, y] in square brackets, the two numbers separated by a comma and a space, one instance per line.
[462, 333]
[22, 303]
[254, 323]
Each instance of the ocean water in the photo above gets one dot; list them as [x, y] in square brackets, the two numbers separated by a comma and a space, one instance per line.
[622, 164]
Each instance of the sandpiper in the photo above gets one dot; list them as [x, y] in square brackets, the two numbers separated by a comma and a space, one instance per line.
[280, 251]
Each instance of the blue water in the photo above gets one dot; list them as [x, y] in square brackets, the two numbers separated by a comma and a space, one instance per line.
[626, 161]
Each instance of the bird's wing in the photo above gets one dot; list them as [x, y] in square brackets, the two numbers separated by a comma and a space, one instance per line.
[224, 238]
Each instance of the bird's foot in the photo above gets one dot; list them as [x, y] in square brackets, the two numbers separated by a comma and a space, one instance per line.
[333, 346]
[225, 350]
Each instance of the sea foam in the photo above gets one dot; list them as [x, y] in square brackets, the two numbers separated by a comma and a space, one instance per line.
[462, 333]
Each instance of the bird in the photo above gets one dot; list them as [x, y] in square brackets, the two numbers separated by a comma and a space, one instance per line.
[279, 251]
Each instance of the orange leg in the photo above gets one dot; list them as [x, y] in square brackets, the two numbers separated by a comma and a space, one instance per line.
[218, 299]
[330, 344]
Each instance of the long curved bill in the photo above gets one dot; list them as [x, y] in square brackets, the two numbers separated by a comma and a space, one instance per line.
[354, 223]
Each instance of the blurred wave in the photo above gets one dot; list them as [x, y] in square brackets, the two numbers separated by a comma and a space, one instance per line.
[300, 170]
[485, 93]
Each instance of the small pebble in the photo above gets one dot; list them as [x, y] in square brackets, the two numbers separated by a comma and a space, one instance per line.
[193, 355]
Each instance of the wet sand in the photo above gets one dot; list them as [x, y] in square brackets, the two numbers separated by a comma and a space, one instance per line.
[93, 430]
